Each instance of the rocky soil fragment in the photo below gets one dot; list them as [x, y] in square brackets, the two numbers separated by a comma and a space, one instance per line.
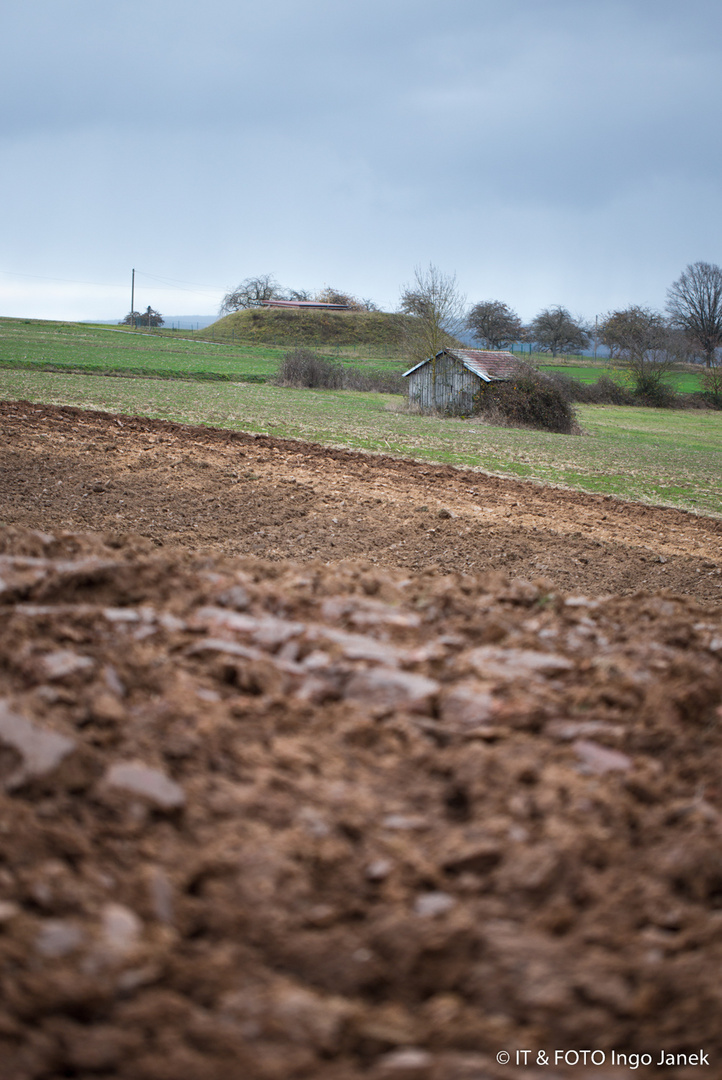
[272, 820]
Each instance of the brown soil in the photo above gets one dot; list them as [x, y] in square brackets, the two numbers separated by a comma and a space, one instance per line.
[370, 811]
[202, 488]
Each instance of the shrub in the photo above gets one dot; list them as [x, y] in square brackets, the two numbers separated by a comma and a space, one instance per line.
[656, 395]
[653, 393]
[609, 392]
[712, 385]
[382, 382]
[699, 400]
[605, 391]
[529, 399]
[301, 367]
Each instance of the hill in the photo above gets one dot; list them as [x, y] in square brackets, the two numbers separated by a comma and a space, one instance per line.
[284, 327]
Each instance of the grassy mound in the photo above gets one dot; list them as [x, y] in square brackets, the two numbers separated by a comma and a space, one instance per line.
[285, 327]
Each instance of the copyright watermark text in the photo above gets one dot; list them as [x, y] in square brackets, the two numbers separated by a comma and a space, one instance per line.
[599, 1057]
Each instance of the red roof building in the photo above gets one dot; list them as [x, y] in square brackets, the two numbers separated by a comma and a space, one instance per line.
[304, 305]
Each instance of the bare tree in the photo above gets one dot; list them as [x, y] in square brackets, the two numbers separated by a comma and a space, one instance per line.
[437, 311]
[149, 318]
[680, 347]
[694, 303]
[328, 295]
[639, 336]
[494, 324]
[555, 331]
[256, 291]
[251, 293]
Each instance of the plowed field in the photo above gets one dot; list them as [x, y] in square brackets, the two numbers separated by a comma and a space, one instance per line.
[238, 494]
[316, 764]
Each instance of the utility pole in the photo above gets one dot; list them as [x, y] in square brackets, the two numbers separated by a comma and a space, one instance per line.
[132, 300]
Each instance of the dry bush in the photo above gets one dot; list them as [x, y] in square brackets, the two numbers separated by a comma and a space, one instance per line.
[657, 395]
[712, 384]
[531, 400]
[382, 382]
[301, 367]
[605, 391]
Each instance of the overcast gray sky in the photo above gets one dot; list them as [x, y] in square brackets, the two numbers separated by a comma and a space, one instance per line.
[546, 151]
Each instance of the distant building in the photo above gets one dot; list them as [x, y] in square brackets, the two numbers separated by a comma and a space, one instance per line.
[452, 381]
[304, 305]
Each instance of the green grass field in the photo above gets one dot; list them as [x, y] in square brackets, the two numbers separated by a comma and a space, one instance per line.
[665, 457]
[33, 344]
[42, 346]
[76, 347]
[684, 382]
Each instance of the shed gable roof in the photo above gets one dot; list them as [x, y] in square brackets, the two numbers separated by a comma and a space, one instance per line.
[489, 366]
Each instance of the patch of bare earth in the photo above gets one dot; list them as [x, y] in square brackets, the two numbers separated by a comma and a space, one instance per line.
[368, 811]
[204, 488]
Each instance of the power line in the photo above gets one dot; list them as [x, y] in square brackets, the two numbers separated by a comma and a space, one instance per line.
[212, 289]
[68, 281]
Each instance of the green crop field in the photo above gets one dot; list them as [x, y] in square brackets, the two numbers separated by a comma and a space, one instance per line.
[32, 344]
[667, 457]
[57, 346]
[61, 346]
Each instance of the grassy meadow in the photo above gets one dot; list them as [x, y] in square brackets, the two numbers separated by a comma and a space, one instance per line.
[684, 382]
[217, 353]
[667, 457]
[57, 346]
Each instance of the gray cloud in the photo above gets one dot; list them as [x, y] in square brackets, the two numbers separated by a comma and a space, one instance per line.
[555, 152]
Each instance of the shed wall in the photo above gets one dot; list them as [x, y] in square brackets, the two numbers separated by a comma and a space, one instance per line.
[449, 388]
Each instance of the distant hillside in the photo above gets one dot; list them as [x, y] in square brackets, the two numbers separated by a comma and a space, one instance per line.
[284, 327]
[188, 322]
[171, 322]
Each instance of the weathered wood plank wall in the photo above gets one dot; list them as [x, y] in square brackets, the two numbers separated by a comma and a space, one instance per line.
[449, 388]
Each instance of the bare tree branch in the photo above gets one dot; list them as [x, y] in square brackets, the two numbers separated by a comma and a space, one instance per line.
[555, 331]
[640, 337]
[694, 303]
[437, 311]
[494, 324]
[251, 293]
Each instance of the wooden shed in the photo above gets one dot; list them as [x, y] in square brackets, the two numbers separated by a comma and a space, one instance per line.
[452, 380]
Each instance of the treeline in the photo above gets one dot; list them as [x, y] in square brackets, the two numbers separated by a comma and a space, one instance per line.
[690, 328]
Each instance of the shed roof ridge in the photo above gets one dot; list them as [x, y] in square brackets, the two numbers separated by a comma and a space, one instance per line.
[490, 365]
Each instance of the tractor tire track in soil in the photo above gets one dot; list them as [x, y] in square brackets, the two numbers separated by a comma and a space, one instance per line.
[365, 811]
